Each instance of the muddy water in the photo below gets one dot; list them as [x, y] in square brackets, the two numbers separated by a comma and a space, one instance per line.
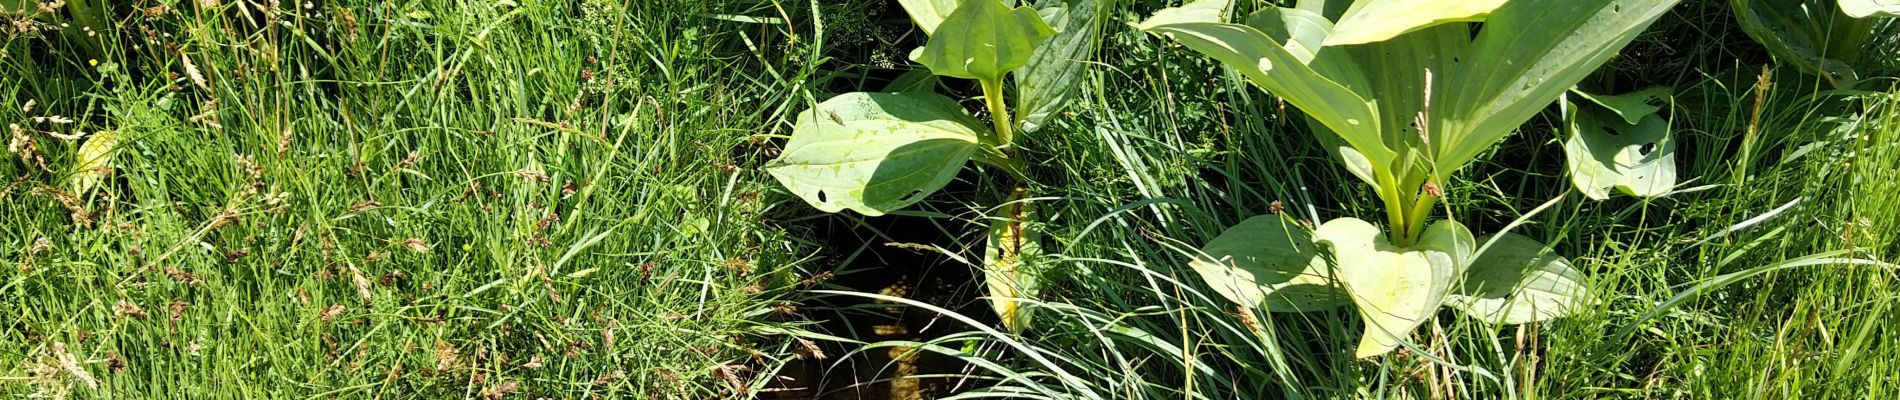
[899, 271]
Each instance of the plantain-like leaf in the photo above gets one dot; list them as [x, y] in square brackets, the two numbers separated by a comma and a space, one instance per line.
[1268, 63]
[1054, 72]
[1518, 280]
[1012, 262]
[1632, 106]
[928, 13]
[94, 160]
[1370, 21]
[1605, 151]
[983, 40]
[1525, 56]
[1815, 36]
[1396, 289]
[1871, 8]
[1271, 263]
[876, 152]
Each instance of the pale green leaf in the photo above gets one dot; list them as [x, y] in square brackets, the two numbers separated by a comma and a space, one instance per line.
[1266, 62]
[1603, 152]
[1525, 56]
[1268, 262]
[1518, 280]
[1370, 21]
[1396, 289]
[876, 152]
[94, 161]
[1054, 72]
[983, 40]
[1632, 106]
[928, 13]
[1871, 8]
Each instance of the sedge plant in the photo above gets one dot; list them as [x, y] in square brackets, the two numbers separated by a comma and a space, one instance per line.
[1404, 93]
[876, 153]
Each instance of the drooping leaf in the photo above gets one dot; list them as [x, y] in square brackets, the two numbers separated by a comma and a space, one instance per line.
[1604, 151]
[1632, 106]
[928, 13]
[983, 40]
[1370, 21]
[1054, 72]
[876, 152]
[1870, 8]
[1012, 262]
[1813, 35]
[1518, 280]
[1396, 289]
[1271, 263]
[1525, 56]
[94, 161]
[1267, 62]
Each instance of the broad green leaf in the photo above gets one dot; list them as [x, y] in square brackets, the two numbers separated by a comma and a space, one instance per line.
[1266, 62]
[982, 40]
[93, 161]
[1518, 280]
[1870, 8]
[1447, 242]
[1604, 152]
[1408, 76]
[1632, 106]
[1271, 263]
[1012, 262]
[1396, 289]
[1370, 21]
[1525, 56]
[876, 152]
[928, 13]
[1813, 35]
[1054, 72]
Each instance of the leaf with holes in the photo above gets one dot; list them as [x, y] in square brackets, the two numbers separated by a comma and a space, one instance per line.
[876, 152]
[982, 40]
[1518, 280]
[1605, 151]
[1268, 262]
[1633, 106]
[1013, 262]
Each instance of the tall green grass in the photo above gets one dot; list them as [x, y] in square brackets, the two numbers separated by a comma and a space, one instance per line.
[419, 199]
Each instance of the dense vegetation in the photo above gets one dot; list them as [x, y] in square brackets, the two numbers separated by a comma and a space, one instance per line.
[580, 199]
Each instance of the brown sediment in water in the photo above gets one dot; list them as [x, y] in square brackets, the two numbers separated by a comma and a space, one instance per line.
[896, 271]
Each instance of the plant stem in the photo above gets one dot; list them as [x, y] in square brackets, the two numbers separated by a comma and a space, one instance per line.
[1394, 208]
[999, 114]
[1415, 220]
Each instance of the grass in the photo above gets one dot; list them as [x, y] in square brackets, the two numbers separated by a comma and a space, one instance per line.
[417, 199]
[429, 199]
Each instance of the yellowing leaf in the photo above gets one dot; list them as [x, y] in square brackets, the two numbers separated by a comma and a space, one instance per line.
[94, 161]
